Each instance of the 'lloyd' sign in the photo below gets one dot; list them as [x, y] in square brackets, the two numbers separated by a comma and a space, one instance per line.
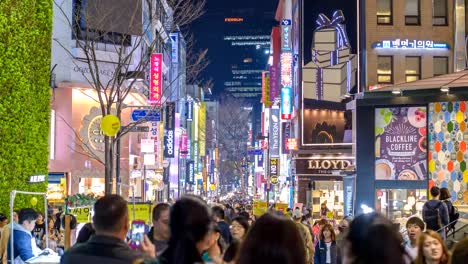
[321, 166]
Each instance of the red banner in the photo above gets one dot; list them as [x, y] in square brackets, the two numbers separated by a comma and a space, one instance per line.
[156, 80]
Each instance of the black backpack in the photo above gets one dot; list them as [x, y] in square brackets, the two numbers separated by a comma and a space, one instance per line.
[453, 215]
[432, 217]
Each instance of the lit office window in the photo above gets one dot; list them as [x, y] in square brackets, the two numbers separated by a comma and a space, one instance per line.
[385, 69]
[439, 17]
[412, 14]
[440, 65]
[384, 12]
[413, 69]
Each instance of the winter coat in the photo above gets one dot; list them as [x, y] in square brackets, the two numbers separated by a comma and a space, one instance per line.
[320, 256]
[24, 244]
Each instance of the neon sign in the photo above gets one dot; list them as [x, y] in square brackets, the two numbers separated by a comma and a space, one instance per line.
[156, 79]
[286, 69]
[286, 103]
[409, 44]
[233, 19]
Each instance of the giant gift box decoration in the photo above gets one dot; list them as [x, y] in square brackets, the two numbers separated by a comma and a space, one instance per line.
[332, 71]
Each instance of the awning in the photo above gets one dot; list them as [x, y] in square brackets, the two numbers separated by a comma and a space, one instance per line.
[55, 177]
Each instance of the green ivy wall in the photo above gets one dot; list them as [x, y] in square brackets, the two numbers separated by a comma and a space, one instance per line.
[25, 52]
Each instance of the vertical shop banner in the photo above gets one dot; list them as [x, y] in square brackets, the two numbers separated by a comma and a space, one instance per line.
[274, 83]
[266, 100]
[349, 183]
[286, 25]
[400, 143]
[286, 132]
[275, 141]
[169, 130]
[190, 109]
[286, 69]
[212, 169]
[190, 172]
[175, 47]
[156, 79]
[202, 129]
[274, 167]
[286, 103]
[184, 145]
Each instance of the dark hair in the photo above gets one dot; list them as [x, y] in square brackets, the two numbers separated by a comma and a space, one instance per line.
[221, 243]
[191, 220]
[460, 253]
[245, 214]
[85, 233]
[366, 244]
[73, 222]
[218, 212]
[27, 214]
[244, 222]
[416, 221]
[306, 217]
[273, 239]
[444, 194]
[322, 222]
[329, 228]
[421, 259]
[110, 212]
[3, 217]
[158, 209]
[435, 191]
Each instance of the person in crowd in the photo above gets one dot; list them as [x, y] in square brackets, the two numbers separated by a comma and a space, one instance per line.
[159, 233]
[324, 209]
[318, 225]
[86, 232]
[326, 250]
[215, 252]
[54, 236]
[453, 213]
[39, 231]
[3, 222]
[5, 238]
[304, 231]
[414, 228]
[460, 253]
[435, 213]
[431, 249]
[24, 243]
[108, 244]
[239, 228]
[219, 216]
[365, 243]
[191, 229]
[343, 227]
[273, 239]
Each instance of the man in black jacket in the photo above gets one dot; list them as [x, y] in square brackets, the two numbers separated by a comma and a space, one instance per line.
[108, 244]
[218, 213]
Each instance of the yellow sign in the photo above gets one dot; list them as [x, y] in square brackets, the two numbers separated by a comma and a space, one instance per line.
[202, 130]
[82, 214]
[330, 215]
[259, 208]
[212, 187]
[281, 207]
[142, 212]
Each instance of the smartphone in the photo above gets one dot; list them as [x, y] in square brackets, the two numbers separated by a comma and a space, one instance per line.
[138, 233]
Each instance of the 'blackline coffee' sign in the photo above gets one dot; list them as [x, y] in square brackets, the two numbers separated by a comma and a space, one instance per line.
[322, 166]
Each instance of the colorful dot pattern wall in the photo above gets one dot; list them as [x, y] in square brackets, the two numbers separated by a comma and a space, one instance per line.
[448, 156]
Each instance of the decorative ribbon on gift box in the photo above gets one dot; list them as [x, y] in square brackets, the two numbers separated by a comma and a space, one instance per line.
[330, 52]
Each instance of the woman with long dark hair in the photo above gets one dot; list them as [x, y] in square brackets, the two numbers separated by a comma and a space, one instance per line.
[372, 239]
[273, 239]
[431, 249]
[326, 250]
[191, 229]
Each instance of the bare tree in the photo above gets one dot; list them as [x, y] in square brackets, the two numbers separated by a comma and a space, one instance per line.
[232, 136]
[116, 27]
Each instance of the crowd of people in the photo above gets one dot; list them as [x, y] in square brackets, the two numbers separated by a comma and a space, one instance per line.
[191, 231]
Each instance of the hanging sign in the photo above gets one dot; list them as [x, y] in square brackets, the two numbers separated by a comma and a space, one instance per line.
[286, 103]
[156, 79]
[169, 131]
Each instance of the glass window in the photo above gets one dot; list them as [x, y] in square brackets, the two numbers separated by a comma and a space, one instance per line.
[385, 69]
[384, 12]
[399, 204]
[439, 17]
[412, 12]
[413, 69]
[440, 65]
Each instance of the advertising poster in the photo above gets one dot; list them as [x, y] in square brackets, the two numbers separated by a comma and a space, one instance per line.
[400, 143]
[169, 131]
[324, 126]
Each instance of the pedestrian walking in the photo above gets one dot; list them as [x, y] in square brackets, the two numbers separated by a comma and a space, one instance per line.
[215, 252]
[343, 228]
[306, 236]
[108, 245]
[273, 239]
[372, 239]
[431, 249]
[445, 197]
[414, 227]
[239, 228]
[326, 251]
[159, 234]
[435, 213]
[219, 217]
[6, 237]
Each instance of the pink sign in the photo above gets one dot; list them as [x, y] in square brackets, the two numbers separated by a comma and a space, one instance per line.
[184, 144]
[156, 79]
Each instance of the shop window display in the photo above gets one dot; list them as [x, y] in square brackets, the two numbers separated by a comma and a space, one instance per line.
[399, 204]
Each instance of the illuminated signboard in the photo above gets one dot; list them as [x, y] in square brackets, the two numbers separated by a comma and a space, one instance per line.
[234, 19]
[266, 88]
[286, 69]
[409, 44]
[156, 79]
[286, 103]
[286, 34]
[291, 144]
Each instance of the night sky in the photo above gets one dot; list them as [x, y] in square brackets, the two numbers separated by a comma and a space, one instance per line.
[209, 34]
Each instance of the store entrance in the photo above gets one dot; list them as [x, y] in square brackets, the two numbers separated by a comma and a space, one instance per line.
[326, 199]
